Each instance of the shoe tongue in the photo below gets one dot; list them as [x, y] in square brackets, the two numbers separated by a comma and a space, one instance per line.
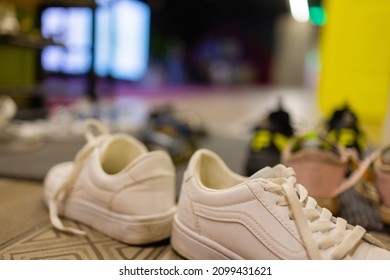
[263, 173]
[277, 174]
[278, 171]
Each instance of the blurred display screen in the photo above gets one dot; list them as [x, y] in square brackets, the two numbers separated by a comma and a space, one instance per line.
[121, 40]
[71, 30]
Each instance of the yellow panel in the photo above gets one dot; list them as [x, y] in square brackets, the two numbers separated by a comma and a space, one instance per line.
[355, 58]
[17, 66]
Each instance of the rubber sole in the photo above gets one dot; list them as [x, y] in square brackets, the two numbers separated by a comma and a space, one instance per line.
[193, 246]
[133, 230]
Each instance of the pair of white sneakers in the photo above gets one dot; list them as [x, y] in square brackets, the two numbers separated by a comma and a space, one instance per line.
[119, 188]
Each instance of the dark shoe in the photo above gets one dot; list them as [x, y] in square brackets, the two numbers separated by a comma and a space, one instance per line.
[344, 128]
[268, 140]
[173, 133]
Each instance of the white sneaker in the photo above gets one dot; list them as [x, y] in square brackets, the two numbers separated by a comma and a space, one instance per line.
[222, 215]
[16, 136]
[7, 110]
[9, 24]
[115, 186]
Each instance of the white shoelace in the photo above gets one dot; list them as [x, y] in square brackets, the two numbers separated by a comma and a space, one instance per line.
[311, 218]
[95, 133]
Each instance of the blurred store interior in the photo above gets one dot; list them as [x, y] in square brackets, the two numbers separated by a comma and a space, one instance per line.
[311, 55]
[183, 75]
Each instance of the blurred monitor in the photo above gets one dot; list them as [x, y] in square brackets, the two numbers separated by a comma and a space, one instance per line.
[121, 41]
[70, 28]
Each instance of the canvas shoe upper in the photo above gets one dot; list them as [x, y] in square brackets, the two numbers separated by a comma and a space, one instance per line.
[115, 186]
[223, 215]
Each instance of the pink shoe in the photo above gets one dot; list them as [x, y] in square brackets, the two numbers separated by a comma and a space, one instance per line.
[321, 166]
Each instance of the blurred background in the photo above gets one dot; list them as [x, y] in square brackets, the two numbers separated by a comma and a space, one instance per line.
[333, 52]
[237, 77]
[196, 42]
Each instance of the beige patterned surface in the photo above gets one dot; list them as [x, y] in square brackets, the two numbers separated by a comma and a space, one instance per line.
[26, 232]
[42, 242]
